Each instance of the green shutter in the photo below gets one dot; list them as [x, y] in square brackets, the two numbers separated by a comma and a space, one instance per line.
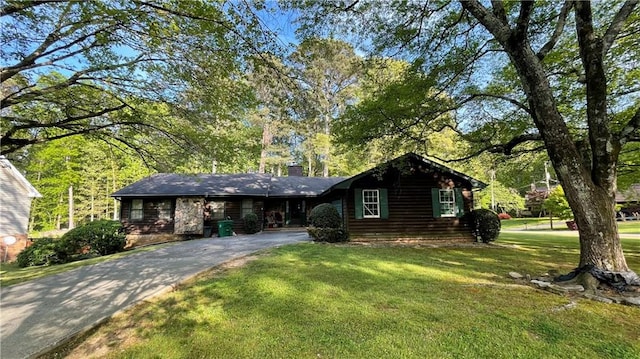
[358, 203]
[459, 202]
[435, 202]
[384, 204]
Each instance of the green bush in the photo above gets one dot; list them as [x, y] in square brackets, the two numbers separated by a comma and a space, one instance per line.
[101, 237]
[331, 235]
[326, 224]
[250, 223]
[487, 224]
[325, 215]
[43, 251]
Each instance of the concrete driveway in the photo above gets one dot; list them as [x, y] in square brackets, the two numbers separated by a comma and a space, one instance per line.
[42, 313]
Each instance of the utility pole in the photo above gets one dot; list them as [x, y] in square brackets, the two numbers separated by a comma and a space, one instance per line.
[547, 178]
[493, 199]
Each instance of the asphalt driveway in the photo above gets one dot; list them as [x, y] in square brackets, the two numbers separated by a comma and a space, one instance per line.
[39, 314]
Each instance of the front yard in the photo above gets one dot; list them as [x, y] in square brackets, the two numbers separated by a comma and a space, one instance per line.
[366, 301]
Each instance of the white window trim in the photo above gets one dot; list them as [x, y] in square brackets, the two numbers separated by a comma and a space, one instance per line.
[453, 202]
[377, 203]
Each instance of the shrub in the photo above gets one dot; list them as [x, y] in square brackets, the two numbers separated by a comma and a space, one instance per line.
[487, 224]
[325, 215]
[331, 235]
[326, 224]
[504, 215]
[43, 251]
[250, 223]
[100, 237]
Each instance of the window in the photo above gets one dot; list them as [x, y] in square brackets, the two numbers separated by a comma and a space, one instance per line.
[216, 210]
[137, 210]
[447, 203]
[247, 206]
[370, 203]
[164, 209]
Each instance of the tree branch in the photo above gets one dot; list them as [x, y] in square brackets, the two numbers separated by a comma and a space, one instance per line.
[497, 27]
[562, 20]
[17, 6]
[498, 11]
[629, 133]
[616, 25]
[522, 24]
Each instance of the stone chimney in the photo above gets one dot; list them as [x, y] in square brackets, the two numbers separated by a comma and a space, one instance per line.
[294, 170]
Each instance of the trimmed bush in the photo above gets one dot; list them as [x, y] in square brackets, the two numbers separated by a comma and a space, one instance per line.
[331, 235]
[487, 224]
[325, 215]
[326, 224]
[43, 251]
[101, 237]
[250, 223]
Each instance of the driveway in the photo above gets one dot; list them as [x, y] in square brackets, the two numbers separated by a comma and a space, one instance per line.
[39, 314]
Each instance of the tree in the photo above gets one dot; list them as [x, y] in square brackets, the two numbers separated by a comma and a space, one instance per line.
[557, 204]
[327, 70]
[86, 67]
[575, 93]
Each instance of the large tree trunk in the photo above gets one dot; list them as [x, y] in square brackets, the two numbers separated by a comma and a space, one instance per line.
[589, 187]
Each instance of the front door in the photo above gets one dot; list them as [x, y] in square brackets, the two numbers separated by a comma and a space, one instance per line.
[296, 213]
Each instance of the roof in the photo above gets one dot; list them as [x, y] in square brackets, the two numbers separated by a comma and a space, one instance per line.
[442, 168]
[215, 185]
[631, 194]
[258, 185]
[9, 170]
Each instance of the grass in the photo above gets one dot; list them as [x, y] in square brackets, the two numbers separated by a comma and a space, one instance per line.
[11, 273]
[346, 301]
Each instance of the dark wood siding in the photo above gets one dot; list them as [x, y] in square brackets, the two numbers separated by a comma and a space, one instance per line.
[150, 223]
[410, 209]
[233, 209]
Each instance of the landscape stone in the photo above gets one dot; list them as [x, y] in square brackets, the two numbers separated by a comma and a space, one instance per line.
[598, 298]
[540, 283]
[515, 275]
[631, 301]
[573, 287]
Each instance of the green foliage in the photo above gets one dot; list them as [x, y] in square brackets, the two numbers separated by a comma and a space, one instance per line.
[101, 237]
[326, 224]
[325, 215]
[557, 204]
[330, 235]
[506, 199]
[487, 224]
[250, 223]
[43, 251]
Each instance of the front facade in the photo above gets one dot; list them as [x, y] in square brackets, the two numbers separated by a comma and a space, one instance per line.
[409, 197]
[16, 194]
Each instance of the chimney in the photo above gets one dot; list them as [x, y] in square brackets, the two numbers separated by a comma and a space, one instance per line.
[294, 170]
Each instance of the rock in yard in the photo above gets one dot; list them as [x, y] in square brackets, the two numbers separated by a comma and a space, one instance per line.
[540, 283]
[572, 287]
[598, 298]
[632, 301]
[515, 275]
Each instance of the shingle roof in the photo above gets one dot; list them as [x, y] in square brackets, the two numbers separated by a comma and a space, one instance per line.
[212, 185]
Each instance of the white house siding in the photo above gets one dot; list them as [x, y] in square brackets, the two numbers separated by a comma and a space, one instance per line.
[16, 194]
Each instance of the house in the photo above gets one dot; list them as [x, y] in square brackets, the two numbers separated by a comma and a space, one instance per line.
[16, 194]
[629, 202]
[408, 197]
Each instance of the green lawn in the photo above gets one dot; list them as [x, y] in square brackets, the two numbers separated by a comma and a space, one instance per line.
[541, 224]
[352, 301]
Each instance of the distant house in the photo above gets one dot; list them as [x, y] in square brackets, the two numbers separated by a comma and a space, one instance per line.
[408, 197]
[16, 194]
[629, 202]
